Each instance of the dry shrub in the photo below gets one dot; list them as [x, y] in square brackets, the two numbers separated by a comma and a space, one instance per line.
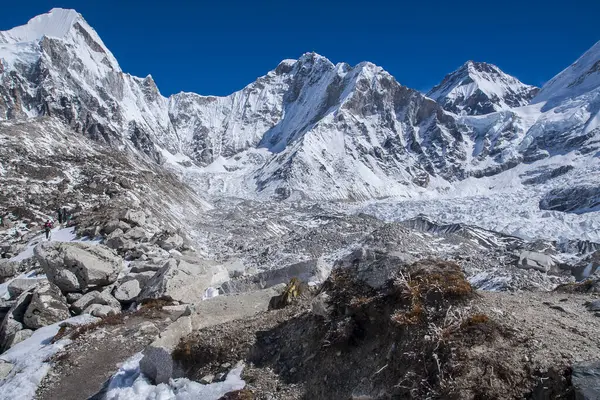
[475, 319]
[73, 332]
[155, 304]
[184, 351]
[243, 394]
[577, 287]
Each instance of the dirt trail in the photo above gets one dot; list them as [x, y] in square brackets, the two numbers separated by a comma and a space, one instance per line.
[559, 324]
[83, 367]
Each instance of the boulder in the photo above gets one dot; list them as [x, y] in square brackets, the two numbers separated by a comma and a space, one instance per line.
[137, 234]
[101, 311]
[593, 305]
[115, 224]
[117, 241]
[73, 297]
[74, 267]
[141, 277]
[137, 218]
[95, 297]
[12, 322]
[586, 381]
[21, 285]
[20, 336]
[180, 310]
[47, 307]
[168, 240]
[157, 363]
[182, 281]
[8, 269]
[538, 261]
[128, 291]
[145, 267]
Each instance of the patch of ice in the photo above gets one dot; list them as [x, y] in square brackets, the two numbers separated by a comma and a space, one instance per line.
[29, 358]
[210, 293]
[130, 384]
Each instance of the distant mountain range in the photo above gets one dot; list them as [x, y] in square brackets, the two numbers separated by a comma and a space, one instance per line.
[308, 128]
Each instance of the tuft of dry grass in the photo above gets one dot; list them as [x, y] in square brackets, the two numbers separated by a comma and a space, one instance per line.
[74, 332]
[155, 304]
[244, 394]
[576, 287]
[475, 319]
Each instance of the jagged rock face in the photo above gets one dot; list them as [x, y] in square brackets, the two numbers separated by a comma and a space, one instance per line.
[307, 129]
[576, 199]
[479, 88]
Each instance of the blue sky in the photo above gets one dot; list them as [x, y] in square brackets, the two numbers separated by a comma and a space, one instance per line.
[217, 47]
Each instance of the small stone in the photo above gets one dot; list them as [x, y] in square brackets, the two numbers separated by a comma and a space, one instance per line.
[220, 377]
[207, 379]
[148, 328]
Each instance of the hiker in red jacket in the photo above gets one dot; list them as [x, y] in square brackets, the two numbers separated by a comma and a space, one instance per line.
[48, 228]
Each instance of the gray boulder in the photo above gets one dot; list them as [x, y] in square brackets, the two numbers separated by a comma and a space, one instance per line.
[143, 266]
[117, 241]
[47, 307]
[184, 281]
[12, 322]
[20, 336]
[94, 297]
[137, 218]
[586, 381]
[8, 269]
[169, 240]
[128, 291]
[74, 267]
[21, 285]
[141, 277]
[73, 297]
[538, 261]
[115, 224]
[593, 305]
[137, 234]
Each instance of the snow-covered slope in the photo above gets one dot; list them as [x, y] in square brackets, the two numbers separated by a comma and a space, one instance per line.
[581, 77]
[478, 88]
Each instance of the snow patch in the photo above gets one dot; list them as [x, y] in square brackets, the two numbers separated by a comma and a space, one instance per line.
[29, 358]
[130, 384]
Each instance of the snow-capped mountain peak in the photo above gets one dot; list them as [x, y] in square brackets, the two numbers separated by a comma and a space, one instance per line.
[63, 24]
[478, 88]
[56, 23]
[580, 77]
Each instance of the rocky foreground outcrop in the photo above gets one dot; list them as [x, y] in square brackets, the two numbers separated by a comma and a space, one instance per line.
[383, 326]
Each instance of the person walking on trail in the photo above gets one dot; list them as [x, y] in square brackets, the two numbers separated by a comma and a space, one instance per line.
[48, 229]
[60, 215]
[64, 215]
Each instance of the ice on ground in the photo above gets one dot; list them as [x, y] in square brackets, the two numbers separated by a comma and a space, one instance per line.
[210, 293]
[130, 384]
[29, 358]
[57, 235]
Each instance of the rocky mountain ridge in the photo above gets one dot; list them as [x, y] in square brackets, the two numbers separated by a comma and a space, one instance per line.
[307, 129]
[479, 88]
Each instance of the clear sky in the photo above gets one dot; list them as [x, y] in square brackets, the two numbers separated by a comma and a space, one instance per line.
[217, 47]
